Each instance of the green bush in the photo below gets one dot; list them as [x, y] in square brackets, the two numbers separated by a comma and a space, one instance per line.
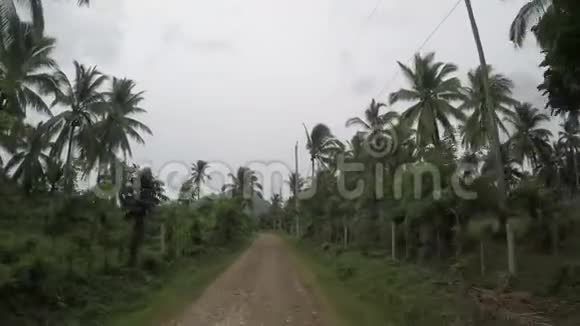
[152, 263]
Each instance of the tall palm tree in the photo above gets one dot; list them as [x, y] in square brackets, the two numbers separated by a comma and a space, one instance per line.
[295, 182]
[26, 70]
[275, 208]
[432, 90]
[29, 162]
[529, 138]
[54, 173]
[199, 175]
[85, 100]
[244, 186]
[373, 120]
[532, 10]
[475, 135]
[8, 14]
[373, 125]
[570, 141]
[320, 144]
[118, 125]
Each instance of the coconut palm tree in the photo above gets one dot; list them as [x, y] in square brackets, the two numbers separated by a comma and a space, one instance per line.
[118, 126]
[529, 15]
[244, 186]
[529, 138]
[29, 162]
[432, 90]
[199, 175]
[475, 135]
[35, 10]
[320, 144]
[139, 196]
[295, 182]
[275, 210]
[85, 100]
[373, 120]
[570, 141]
[26, 70]
[54, 173]
[373, 125]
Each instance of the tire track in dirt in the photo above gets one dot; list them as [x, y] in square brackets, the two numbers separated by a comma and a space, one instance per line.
[262, 288]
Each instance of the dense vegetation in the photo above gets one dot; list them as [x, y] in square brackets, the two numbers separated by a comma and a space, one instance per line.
[428, 189]
[72, 254]
[420, 185]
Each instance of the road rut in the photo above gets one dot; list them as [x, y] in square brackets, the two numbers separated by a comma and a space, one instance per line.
[262, 288]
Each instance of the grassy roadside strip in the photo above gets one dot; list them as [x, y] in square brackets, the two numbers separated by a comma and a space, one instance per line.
[370, 291]
[179, 289]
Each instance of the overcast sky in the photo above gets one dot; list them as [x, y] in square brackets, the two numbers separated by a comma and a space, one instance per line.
[232, 81]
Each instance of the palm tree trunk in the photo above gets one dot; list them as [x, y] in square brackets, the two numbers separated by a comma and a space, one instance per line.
[482, 257]
[494, 133]
[198, 190]
[438, 240]
[407, 240]
[436, 136]
[575, 160]
[68, 169]
[162, 239]
[345, 234]
[393, 240]
[511, 249]
[313, 170]
[136, 240]
[458, 238]
[555, 237]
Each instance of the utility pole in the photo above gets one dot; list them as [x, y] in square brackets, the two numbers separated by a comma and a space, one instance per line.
[296, 183]
[493, 134]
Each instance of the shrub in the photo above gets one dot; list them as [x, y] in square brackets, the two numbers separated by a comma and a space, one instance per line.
[152, 263]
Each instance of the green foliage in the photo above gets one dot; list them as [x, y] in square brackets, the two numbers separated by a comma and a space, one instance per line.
[63, 260]
[374, 291]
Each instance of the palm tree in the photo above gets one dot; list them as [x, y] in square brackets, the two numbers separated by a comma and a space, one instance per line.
[199, 175]
[533, 9]
[295, 182]
[85, 101]
[511, 166]
[529, 137]
[54, 173]
[475, 135]
[320, 144]
[373, 125]
[275, 208]
[30, 159]
[8, 14]
[139, 196]
[244, 186]
[25, 72]
[570, 140]
[118, 126]
[432, 90]
[373, 120]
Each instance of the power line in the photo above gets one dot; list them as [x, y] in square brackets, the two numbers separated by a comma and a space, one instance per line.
[429, 37]
[366, 22]
[374, 11]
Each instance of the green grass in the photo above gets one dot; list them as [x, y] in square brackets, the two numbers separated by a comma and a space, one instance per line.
[367, 291]
[180, 289]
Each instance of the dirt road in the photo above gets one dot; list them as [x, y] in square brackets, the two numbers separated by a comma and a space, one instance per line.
[261, 288]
